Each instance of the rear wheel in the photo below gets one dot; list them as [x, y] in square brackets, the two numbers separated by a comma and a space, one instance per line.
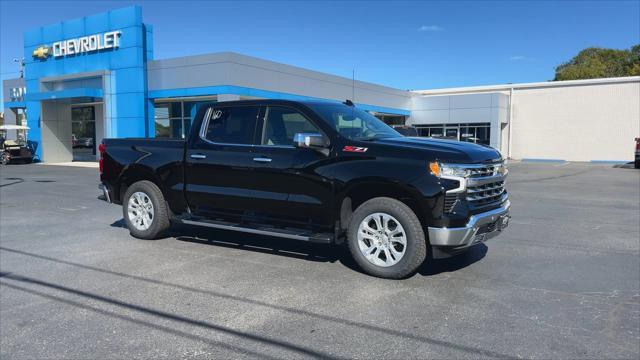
[4, 158]
[145, 211]
[386, 238]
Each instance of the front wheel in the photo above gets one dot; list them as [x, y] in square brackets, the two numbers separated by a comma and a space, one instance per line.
[145, 211]
[386, 238]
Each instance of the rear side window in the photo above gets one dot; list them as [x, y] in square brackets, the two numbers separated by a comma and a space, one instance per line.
[282, 124]
[232, 125]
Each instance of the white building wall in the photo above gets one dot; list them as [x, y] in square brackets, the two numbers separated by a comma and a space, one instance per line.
[462, 109]
[576, 123]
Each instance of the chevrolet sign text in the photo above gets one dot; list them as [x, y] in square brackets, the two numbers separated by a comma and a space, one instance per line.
[96, 42]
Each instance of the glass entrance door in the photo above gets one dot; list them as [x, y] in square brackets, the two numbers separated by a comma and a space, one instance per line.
[83, 133]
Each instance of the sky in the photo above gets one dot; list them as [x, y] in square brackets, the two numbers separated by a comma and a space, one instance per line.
[406, 45]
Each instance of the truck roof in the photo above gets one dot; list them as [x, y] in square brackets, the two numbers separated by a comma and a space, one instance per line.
[280, 101]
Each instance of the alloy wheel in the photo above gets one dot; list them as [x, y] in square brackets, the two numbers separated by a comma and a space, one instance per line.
[382, 239]
[140, 210]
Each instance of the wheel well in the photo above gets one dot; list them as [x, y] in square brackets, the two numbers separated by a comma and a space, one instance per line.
[361, 193]
[132, 176]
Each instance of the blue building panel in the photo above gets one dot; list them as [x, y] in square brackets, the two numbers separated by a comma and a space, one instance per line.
[128, 80]
[73, 28]
[14, 104]
[126, 58]
[77, 64]
[32, 84]
[149, 41]
[125, 17]
[127, 105]
[51, 33]
[33, 37]
[124, 92]
[64, 94]
[97, 23]
[33, 122]
[131, 37]
[130, 127]
[150, 112]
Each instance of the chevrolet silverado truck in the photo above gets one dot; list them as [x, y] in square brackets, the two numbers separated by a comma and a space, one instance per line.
[323, 172]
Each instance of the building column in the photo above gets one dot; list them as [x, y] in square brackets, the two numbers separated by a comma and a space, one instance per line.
[11, 118]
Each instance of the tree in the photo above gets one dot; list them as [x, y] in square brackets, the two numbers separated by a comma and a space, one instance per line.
[595, 62]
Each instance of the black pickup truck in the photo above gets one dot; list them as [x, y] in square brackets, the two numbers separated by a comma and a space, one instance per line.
[315, 171]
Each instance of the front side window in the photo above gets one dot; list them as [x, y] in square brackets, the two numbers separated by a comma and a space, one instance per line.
[232, 125]
[354, 123]
[282, 123]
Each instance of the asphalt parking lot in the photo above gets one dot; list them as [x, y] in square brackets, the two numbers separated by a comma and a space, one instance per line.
[562, 282]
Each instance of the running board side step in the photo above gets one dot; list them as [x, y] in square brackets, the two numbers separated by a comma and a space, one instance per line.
[263, 230]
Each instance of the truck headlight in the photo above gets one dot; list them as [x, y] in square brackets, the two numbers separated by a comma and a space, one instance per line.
[447, 170]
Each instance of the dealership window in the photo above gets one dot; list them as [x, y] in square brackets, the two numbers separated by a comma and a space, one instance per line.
[173, 119]
[478, 133]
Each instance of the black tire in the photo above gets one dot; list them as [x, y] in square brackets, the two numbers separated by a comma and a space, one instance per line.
[160, 220]
[28, 161]
[636, 164]
[4, 158]
[416, 248]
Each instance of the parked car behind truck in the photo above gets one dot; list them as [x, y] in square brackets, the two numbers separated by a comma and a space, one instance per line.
[312, 171]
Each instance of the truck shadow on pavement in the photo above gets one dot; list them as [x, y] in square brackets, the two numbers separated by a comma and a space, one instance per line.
[455, 263]
[310, 251]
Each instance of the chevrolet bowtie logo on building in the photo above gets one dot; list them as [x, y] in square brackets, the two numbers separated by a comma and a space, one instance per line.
[81, 45]
[42, 52]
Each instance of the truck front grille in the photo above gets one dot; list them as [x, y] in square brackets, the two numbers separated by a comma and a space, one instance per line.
[488, 170]
[482, 185]
[485, 194]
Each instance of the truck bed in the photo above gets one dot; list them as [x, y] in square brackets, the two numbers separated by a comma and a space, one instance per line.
[162, 159]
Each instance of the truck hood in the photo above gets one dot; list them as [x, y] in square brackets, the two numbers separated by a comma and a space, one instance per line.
[450, 151]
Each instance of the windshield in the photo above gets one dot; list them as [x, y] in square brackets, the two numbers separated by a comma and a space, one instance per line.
[354, 123]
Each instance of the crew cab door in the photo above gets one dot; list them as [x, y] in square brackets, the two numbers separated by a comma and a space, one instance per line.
[282, 168]
[218, 176]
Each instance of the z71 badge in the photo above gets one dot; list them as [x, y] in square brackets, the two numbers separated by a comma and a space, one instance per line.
[350, 148]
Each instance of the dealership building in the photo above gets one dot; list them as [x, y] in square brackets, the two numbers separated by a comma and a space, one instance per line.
[94, 77]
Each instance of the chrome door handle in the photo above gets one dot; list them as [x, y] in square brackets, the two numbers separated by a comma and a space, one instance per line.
[262, 159]
[198, 156]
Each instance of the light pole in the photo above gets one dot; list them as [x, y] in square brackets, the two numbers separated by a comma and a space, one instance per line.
[21, 64]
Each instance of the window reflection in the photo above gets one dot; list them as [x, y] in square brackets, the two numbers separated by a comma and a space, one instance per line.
[173, 119]
[478, 133]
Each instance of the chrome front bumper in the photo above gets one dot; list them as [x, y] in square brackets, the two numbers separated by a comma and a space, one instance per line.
[479, 228]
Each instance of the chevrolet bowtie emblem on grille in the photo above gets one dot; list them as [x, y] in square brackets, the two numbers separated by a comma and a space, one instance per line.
[42, 52]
